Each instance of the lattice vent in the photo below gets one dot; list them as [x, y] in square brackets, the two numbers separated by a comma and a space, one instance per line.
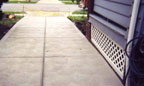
[113, 53]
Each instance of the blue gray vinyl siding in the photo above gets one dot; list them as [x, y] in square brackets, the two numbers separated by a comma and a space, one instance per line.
[115, 36]
[118, 11]
[126, 2]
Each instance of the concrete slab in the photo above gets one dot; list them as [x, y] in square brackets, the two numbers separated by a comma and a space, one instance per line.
[58, 28]
[28, 32]
[49, 2]
[70, 60]
[57, 47]
[58, 19]
[60, 25]
[20, 71]
[32, 21]
[28, 29]
[59, 22]
[62, 33]
[79, 71]
[21, 47]
[28, 24]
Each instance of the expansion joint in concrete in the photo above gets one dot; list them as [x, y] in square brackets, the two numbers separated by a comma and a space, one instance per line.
[43, 59]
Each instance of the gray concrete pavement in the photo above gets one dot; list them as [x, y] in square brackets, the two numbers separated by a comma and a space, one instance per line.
[49, 2]
[39, 7]
[51, 51]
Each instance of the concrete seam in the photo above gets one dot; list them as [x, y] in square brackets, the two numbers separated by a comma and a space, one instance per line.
[43, 59]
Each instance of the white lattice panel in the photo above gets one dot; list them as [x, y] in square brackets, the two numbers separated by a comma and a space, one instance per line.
[112, 52]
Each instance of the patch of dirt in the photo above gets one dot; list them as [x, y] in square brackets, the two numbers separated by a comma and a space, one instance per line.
[6, 24]
[3, 30]
[81, 26]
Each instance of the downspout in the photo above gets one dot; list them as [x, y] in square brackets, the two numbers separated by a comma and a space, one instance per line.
[131, 31]
[133, 19]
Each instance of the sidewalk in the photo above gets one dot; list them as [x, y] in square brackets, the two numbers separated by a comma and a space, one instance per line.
[51, 51]
[49, 2]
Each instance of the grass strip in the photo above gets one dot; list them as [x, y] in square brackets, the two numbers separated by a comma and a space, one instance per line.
[80, 12]
[80, 22]
[10, 22]
[13, 12]
[22, 2]
[69, 2]
[77, 18]
[6, 24]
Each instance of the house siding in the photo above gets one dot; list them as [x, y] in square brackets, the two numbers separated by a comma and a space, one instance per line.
[118, 11]
[108, 31]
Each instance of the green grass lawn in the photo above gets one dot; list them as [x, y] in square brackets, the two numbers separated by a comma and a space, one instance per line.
[80, 12]
[13, 12]
[77, 18]
[10, 22]
[80, 22]
[6, 24]
[68, 1]
[22, 1]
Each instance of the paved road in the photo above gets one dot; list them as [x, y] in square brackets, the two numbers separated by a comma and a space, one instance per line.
[39, 7]
[50, 2]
